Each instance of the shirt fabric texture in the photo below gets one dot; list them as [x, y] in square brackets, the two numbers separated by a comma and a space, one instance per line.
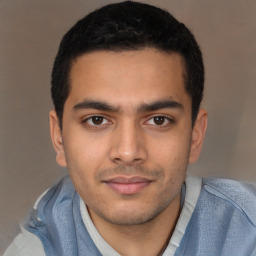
[218, 218]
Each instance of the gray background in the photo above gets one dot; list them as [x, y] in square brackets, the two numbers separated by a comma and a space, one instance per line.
[30, 32]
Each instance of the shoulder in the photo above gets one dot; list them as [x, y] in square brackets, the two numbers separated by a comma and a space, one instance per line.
[60, 189]
[25, 244]
[240, 195]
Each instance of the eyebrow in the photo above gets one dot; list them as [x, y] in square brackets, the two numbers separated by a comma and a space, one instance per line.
[91, 104]
[161, 104]
[145, 107]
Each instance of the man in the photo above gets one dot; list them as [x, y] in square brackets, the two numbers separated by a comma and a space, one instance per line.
[127, 84]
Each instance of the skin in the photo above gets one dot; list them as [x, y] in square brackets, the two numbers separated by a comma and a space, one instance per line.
[128, 118]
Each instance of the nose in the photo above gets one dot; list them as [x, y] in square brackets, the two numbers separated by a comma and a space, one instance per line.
[128, 145]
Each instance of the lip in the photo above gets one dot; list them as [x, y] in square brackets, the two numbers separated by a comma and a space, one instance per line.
[127, 185]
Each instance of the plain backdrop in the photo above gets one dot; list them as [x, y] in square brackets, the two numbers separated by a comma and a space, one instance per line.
[30, 32]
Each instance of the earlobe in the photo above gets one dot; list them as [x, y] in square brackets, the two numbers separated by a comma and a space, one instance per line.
[198, 134]
[56, 137]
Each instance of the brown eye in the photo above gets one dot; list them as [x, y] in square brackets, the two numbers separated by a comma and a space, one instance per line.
[159, 120]
[96, 120]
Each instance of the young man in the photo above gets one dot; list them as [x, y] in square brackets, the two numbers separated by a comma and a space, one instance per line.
[127, 84]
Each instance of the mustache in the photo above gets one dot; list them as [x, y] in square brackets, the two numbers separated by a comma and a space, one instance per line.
[130, 170]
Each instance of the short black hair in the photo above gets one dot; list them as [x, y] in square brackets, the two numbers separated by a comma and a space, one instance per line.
[128, 26]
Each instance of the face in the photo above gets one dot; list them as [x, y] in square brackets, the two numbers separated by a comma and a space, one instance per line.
[127, 134]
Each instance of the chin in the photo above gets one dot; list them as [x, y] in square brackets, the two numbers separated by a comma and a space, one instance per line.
[134, 215]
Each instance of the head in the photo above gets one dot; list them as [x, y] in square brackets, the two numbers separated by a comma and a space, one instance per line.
[122, 27]
[127, 84]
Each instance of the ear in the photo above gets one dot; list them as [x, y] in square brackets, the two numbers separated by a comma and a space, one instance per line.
[57, 141]
[198, 133]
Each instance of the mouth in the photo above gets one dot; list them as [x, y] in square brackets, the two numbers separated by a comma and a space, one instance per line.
[127, 185]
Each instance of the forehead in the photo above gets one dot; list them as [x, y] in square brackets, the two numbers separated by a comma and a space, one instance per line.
[128, 77]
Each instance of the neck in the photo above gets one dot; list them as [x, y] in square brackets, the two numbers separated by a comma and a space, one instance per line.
[150, 238]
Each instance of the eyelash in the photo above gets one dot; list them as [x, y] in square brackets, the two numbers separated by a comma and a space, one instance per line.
[167, 121]
[96, 116]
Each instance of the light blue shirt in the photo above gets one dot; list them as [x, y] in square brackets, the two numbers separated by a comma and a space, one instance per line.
[218, 218]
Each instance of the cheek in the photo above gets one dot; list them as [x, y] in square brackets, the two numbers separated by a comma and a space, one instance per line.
[83, 150]
[84, 158]
[170, 151]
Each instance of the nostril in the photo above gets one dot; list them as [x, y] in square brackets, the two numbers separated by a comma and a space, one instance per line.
[128, 161]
